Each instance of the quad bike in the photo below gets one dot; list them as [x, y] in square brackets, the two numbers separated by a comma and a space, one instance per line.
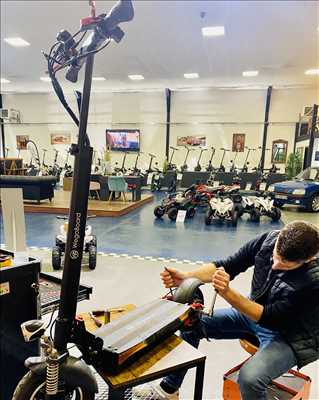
[257, 206]
[224, 208]
[89, 246]
[171, 204]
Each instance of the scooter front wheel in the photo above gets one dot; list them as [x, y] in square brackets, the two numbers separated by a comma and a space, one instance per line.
[32, 387]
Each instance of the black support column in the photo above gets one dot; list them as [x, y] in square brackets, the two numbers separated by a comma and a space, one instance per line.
[168, 95]
[312, 134]
[2, 140]
[266, 123]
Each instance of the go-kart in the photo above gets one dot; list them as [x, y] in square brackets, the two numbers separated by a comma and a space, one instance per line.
[224, 208]
[89, 247]
[174, 202]
[257, 206]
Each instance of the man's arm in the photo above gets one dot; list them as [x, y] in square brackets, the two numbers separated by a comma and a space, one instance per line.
[204, 273]
[247, 307]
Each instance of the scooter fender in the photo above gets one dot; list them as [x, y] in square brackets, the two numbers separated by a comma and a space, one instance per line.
[73, 371]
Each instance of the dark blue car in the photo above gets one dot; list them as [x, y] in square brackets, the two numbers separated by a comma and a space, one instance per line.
[303, 191]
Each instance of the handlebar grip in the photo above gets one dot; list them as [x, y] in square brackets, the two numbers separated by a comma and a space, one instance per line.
[121, 12]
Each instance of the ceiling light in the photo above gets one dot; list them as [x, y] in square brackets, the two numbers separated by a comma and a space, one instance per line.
[45, 79]
[98, 78]
[250, 73]
[191, 75]
[3, 80]
[312, 72]
[136, 77]
[213, 31]
[17, 42]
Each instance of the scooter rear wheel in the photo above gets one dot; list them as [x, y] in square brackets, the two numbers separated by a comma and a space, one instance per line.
[32, 387]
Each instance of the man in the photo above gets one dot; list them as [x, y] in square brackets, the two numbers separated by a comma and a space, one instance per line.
[282, 310]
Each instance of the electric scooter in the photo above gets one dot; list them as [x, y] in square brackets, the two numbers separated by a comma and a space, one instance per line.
[56, 374]
[170, 165]
[221, 166]
[233, 163]
[198, 166]
[210, 167]
[246, 162]
[136, 171]
[149, 169]
[184, 167]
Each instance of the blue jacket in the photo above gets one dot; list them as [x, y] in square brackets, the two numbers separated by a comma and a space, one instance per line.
[290, 298]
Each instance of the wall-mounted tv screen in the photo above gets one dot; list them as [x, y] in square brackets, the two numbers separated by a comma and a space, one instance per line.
[123, 139]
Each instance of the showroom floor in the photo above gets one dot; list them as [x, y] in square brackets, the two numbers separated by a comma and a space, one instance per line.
[156, 243]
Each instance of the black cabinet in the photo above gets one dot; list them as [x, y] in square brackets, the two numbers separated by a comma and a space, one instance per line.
[19, 302]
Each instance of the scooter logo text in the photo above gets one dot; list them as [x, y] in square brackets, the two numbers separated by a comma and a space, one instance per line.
[74, 253]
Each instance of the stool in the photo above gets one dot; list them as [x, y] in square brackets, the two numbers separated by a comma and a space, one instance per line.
[292, 385]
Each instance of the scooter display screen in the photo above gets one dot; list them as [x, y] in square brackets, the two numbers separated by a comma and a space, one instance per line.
[123, 140]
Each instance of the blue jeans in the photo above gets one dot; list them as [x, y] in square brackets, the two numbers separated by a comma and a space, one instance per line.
[273, 358]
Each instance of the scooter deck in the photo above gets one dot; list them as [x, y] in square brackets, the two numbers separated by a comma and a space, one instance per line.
[133, 334]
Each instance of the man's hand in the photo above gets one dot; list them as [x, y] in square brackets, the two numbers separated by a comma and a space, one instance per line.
[221, 281]
[171, 277]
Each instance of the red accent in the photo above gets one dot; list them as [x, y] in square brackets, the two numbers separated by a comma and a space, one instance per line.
[131, 186]
[93, 7]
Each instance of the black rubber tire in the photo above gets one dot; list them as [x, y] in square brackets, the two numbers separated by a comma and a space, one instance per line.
[234, 217]
[191, 212]
[94, 240]
[275, 214]
[159, 211]
[208, 217]
[311, 206]
[56, 258]
[188, 291]
[92, 257]
[31, 383]
[255, 215]
[172, 213]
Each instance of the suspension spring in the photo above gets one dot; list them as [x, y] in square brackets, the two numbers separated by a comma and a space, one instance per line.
[52, 380]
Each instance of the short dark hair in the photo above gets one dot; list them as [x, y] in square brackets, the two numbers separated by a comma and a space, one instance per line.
[298, 241]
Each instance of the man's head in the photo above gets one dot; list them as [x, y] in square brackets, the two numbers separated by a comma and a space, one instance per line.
[297, 243]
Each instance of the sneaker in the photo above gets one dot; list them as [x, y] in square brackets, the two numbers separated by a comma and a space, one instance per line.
[153, 391]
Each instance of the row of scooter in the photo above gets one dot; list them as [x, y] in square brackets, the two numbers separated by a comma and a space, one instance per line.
[223, 203]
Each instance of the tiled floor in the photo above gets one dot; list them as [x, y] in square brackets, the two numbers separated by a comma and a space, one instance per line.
[141, 233]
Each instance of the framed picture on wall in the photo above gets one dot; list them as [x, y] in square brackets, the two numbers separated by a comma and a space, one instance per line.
[191, 141]
[301, 151]
[238, 142]
[61, 138]
[22, 141]
[279, 151]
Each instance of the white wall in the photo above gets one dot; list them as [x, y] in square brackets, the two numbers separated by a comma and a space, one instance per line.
[215, 113]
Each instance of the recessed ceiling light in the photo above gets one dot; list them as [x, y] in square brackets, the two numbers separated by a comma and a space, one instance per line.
[98, 78]
[17, 42]
[213, 31]
[45, 79]
[312, 72]
[250, 73]
[193, 75]
[136, 77]
[3, 80]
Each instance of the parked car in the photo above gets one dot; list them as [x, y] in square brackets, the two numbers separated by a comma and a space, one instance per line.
[302, 191]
